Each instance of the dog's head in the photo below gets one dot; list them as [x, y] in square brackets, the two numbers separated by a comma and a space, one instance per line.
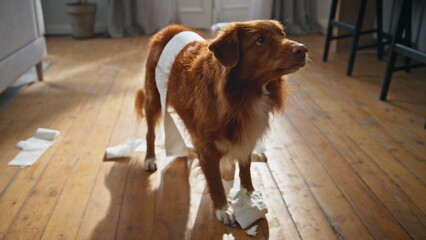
[258, 50]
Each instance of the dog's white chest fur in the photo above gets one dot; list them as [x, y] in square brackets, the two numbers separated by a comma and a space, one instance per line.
[257, 125]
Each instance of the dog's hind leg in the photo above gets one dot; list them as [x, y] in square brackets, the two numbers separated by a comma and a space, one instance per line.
[153, 113]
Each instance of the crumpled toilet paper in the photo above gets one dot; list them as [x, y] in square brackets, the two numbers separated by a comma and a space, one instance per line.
[34, 147]
[247, 207]
[227, 236]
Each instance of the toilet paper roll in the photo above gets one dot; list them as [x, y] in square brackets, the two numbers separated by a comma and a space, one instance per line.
[34, 147]
[46, 134]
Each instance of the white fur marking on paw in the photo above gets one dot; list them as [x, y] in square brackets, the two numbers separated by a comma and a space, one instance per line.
[225, 215]
[150, 165]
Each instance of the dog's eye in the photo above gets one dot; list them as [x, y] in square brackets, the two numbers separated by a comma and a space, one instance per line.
[260, 40]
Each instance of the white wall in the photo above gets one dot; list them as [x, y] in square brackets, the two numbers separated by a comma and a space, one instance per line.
[323, 11]
[241, 10]
[196, 13]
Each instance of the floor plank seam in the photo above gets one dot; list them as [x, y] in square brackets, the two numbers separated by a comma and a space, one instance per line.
[282, 198]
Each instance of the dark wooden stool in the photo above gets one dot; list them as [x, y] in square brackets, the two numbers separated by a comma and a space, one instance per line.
[355, 31]
[402, 46]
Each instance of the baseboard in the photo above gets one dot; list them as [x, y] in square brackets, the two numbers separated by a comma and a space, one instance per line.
[65, 29]
[323, 23]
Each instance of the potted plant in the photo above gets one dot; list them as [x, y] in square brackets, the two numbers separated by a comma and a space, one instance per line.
[82, 18]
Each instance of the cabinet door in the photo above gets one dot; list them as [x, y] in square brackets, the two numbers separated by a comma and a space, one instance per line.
[231, 10]
[242, 10]
[196, 13]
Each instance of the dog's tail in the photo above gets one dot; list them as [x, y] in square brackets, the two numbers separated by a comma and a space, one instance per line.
[139, 103]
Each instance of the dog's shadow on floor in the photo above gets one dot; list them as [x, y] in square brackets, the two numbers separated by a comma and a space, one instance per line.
[141, 210]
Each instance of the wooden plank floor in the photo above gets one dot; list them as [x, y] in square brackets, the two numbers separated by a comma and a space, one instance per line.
[341, 163]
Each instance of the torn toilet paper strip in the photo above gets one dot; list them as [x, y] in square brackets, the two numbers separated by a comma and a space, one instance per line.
[174, 143]
[34, 147]
[130, 146]
[247, 207]
[125, 149]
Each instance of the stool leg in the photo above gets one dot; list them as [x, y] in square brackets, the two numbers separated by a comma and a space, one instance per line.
[388, 75]
[408, 37]
[355, 40]
[329, 29]
[399, 28]
[379, 14]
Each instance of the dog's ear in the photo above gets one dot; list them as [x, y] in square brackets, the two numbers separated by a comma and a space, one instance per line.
[226, 47]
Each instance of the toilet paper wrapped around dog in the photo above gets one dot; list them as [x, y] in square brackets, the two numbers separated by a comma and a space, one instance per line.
[247, 207]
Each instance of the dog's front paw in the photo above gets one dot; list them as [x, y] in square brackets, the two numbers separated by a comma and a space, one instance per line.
[150, 165]
[226, 215]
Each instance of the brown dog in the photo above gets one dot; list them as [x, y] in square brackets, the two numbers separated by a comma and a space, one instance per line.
[224, 91]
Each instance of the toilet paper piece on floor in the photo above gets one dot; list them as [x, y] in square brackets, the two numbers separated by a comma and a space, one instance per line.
[130, 146]
[34, 147]
[125, 149]
[252, 231]
[247, 207]
[228, 236]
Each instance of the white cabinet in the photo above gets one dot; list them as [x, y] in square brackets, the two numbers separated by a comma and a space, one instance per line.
[196, 13]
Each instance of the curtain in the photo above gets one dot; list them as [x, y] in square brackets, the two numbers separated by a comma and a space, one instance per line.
[299, 16]
[136, 17]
